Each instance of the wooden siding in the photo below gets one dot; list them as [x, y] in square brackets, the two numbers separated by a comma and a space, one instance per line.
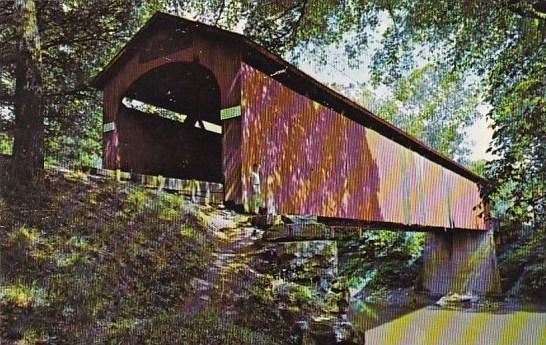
[232, 159]
[317, 161]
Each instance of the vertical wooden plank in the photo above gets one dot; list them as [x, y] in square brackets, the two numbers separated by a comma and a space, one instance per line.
[231, 159]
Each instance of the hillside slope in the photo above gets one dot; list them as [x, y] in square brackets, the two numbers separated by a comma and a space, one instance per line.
[87, 260]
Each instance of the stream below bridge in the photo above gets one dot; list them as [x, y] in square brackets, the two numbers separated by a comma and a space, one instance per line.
[503, 324]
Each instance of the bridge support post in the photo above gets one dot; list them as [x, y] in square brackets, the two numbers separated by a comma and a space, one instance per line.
[461, 262]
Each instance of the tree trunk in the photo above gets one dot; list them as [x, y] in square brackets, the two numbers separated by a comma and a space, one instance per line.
[28, 147]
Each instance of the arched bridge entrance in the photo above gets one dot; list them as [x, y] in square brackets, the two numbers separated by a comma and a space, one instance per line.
[169, 123]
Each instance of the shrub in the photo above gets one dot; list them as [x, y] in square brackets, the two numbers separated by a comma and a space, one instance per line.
[303, 295]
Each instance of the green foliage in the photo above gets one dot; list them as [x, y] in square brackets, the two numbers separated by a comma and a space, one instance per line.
[21, 296]
[519, 174]
[135, 202]
[477, 166]
[534, 281]
[76, 175]
[6, 144]
[303, 295]
[295, 28]
[31, 337]
[208, 326]
[20, 304]
[25, 251]
[188, 231]
[76, 39]
[77, 142]
[433, 105]
[382, 259]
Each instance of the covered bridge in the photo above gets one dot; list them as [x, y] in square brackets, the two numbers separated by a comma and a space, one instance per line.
[239, 104]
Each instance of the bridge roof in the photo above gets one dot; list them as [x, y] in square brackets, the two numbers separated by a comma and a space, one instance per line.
[291, 76]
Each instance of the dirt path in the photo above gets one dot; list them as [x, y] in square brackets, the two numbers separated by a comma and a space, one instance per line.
[238, 237]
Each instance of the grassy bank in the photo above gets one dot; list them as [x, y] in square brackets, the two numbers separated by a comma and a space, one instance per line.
[86, 261]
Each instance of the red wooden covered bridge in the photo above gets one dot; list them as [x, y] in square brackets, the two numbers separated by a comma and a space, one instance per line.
[320, 153]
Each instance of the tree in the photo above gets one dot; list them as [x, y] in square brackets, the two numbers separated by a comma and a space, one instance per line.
[430, 103]
[27, 164]
[292, 28]
[51, 49]
[435, 106]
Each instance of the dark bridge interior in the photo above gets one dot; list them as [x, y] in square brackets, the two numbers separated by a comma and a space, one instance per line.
[186, 88]
[182, 148]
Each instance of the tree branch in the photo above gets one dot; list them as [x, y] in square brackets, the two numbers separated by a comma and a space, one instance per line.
[220, 12]
[291, 32]
[72, 41]
[8, 57]
[297, 24]
[77, 91]
[532, 11]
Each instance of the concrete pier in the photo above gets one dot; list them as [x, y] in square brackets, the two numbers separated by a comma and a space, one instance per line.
[461, 262]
